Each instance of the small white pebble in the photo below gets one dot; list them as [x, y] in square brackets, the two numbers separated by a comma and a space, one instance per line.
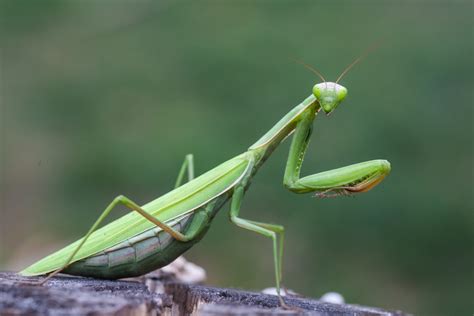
[333, 297]
[283, 292]
[271, 291]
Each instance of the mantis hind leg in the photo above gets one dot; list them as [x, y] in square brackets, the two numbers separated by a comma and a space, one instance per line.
[188, 165]
[132, 206]
[268, 230]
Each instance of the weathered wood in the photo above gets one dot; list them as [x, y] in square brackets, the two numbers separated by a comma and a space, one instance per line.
[64, 295]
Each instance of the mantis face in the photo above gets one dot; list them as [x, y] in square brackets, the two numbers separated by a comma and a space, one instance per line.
[329, 95]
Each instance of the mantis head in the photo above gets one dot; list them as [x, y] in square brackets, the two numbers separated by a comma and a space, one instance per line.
[329, 95]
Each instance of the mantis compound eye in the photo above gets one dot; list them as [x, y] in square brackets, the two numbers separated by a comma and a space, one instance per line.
[329, 95]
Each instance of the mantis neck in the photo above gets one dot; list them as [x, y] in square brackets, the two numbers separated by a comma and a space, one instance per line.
[265, 146]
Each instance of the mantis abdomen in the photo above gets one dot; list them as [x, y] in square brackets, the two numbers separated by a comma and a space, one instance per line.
[148, 251]
[136, 256]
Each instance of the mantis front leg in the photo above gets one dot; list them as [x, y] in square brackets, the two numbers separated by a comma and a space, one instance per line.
[355, 178]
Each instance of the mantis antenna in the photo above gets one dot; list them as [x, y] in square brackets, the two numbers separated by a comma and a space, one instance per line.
[310, 68]
[358, 59]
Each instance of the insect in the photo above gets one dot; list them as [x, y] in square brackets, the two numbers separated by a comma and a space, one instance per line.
[153, 235]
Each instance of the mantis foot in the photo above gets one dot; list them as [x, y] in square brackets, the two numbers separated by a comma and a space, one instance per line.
[288, 307]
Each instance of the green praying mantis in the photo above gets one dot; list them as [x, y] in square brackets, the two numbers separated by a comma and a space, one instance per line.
[153, 235]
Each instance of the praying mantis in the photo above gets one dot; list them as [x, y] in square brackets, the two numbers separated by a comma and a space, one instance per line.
[153, 235]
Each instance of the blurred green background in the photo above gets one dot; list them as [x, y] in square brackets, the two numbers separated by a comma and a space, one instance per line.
[101, 98]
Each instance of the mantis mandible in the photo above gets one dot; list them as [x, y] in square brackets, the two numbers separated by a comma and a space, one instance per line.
[153, 235]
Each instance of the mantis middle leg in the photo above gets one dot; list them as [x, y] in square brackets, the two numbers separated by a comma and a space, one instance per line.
[188, 165]
[268, 230]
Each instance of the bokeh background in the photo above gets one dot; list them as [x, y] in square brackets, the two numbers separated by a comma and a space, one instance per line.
[101, 98]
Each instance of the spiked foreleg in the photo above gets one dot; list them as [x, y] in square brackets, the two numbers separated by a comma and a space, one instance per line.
[355, 178]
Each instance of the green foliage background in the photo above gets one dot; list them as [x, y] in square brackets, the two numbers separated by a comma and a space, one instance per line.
[101, 98]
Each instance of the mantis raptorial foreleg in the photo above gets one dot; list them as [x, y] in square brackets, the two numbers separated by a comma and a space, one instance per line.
[188, 165]
[268, 230]
[132, 206]
[355, 178]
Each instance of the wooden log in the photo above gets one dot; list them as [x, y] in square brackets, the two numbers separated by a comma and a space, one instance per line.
[65, 295]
